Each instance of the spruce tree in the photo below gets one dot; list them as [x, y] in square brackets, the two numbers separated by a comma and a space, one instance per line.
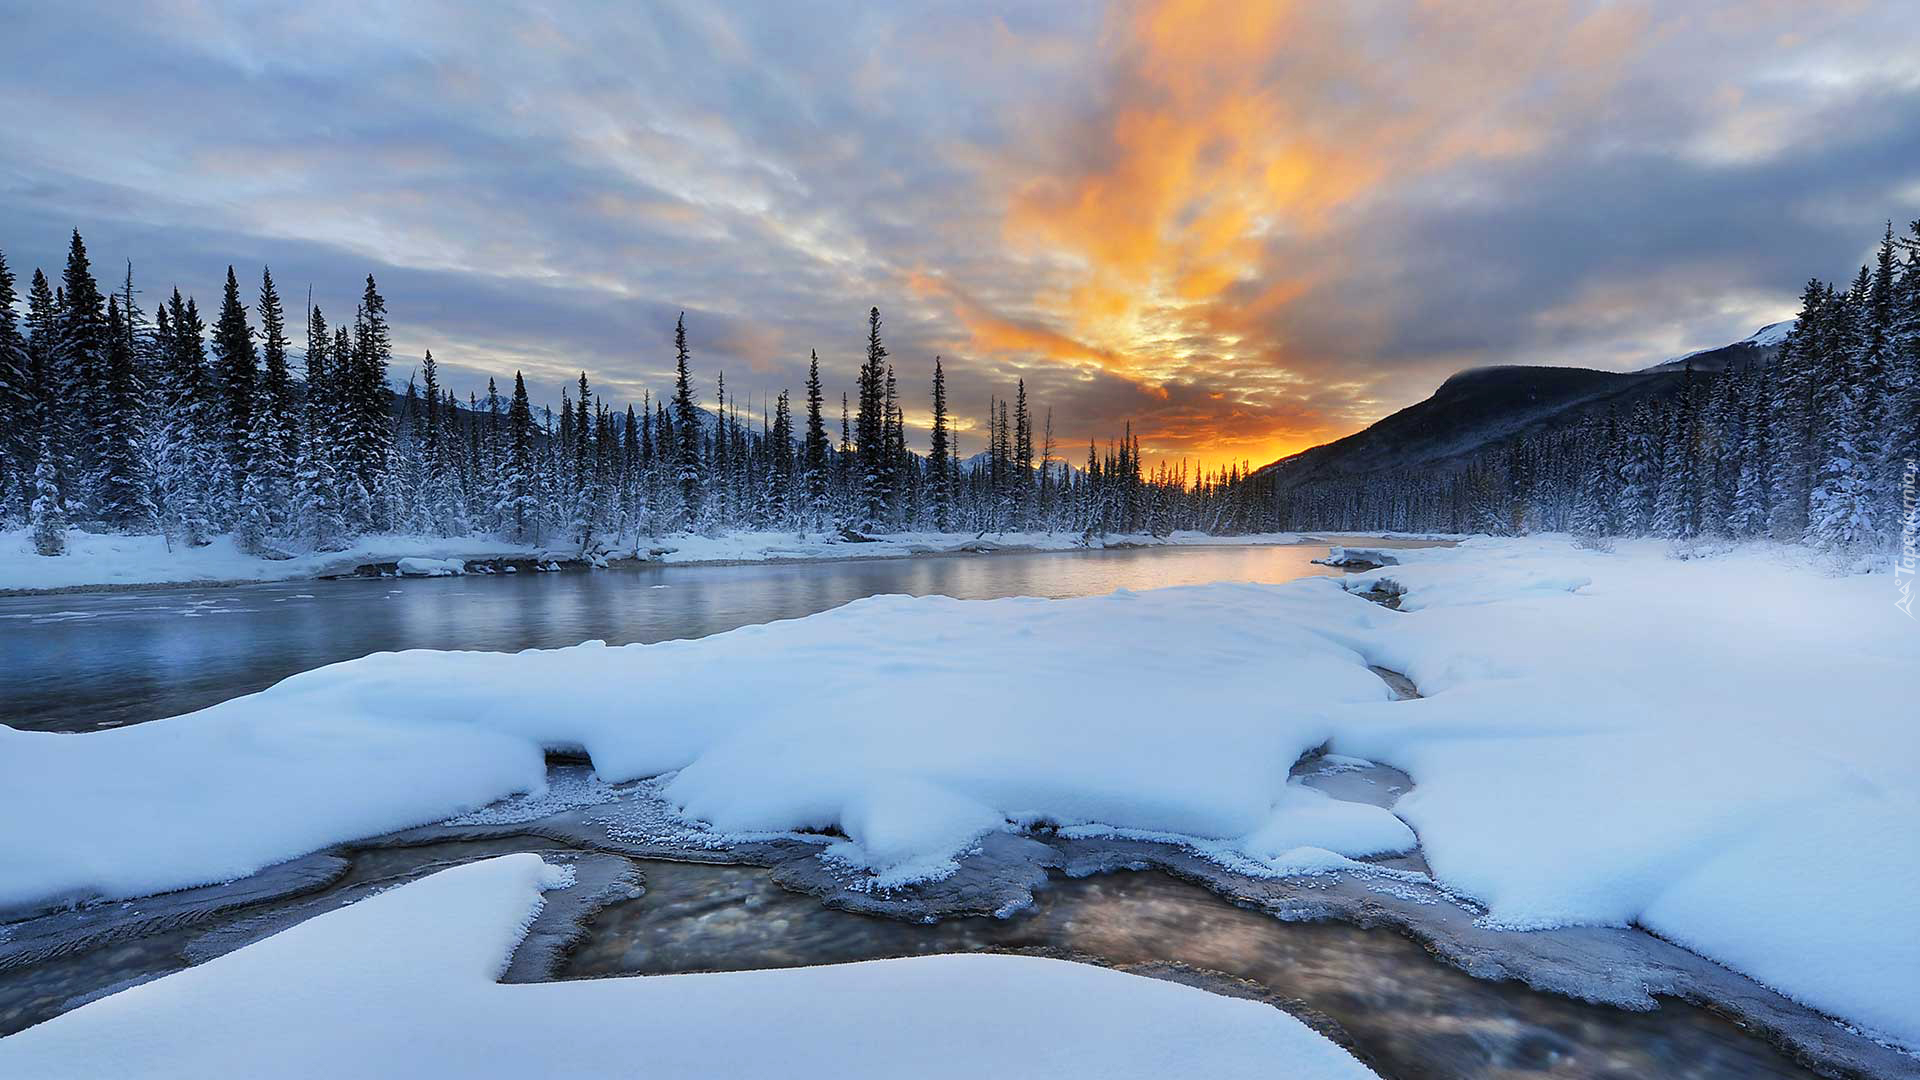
[236, 370]
[1753, 495]
[870, 478]
[317, 479]
[1022, 477]
[1842, 506]
[814, 451]
[1791, 419]
[274, 444]
[123, 502]
[519, 503]
[686, 422]
[80, 376]
[46, 515]
[16, 405]
[48, 388]
[940, 455]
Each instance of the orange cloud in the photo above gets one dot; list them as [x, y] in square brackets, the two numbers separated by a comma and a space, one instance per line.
[1230, 130]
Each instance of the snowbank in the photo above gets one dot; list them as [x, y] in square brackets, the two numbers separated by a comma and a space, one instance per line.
[420, 567]
[93, 559]
[911, 724]
[1357, 556]
[97, 559]
[768, 546]
[1721, 750]
[403, 984]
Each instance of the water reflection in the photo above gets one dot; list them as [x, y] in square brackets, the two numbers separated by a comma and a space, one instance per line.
[80, 661]
[1406, 1014]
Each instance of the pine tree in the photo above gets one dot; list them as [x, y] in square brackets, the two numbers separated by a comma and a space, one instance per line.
[871, 495]
[47, 385]
[274, 442]
[123, 500]
[48, 519]
[814, 451]
[79, 375]
[1842, 519]
[317, 477]
[366, 405]
[686, 420]
[1753, 496]
[16, 405]
[518, 503]
[236, 369]
[940, 455]
[1792, 418]
[1022, 477]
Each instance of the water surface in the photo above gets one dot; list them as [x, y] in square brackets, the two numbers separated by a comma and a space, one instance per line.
[84, 661]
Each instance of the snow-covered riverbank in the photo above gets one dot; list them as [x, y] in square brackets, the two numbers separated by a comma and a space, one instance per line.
[1717, 749]
[406, 983]
[96, 560]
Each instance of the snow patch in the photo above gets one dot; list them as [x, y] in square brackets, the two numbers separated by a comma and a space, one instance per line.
[403, 983]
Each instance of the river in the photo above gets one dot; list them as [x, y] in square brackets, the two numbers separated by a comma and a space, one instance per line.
[86, 661]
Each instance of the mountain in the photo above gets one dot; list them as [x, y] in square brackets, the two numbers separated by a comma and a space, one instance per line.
[1758, 348]
[1481, 407]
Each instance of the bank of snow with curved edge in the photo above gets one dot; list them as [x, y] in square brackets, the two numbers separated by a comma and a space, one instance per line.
[403, 984]
[913, 725]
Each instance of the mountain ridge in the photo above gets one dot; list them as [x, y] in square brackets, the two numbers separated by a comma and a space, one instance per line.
[1478, 407]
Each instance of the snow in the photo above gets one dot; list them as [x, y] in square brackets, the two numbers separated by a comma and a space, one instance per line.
[111, 559]
[768, 546]
[1719, 749]
[414, 566]
[403, 984]
[96, 559]
[1357, 556]
[926, 721]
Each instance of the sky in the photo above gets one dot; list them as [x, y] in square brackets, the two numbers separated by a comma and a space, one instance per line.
[1244, 229]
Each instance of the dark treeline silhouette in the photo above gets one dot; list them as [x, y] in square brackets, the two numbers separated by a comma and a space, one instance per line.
[112, 420]
[1816, 448]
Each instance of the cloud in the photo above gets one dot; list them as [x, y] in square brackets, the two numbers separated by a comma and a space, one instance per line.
[1243, 228]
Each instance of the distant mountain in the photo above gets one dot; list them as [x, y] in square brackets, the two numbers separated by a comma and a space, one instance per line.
[1481, 407]
[1759, 348]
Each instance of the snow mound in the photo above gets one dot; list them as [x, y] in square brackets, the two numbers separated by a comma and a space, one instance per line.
[1356, 556]
[422, 567]
[403, 984]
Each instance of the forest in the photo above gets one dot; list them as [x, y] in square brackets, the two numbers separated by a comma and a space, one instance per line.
[119, 422]
[115, 420]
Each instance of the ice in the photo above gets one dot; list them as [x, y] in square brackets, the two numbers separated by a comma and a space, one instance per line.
[404, 983]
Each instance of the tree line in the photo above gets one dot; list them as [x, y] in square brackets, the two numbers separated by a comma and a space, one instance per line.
[1816, 448]
[114, 420]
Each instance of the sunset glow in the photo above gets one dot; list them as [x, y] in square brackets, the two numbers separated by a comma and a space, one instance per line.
[1243, 228]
